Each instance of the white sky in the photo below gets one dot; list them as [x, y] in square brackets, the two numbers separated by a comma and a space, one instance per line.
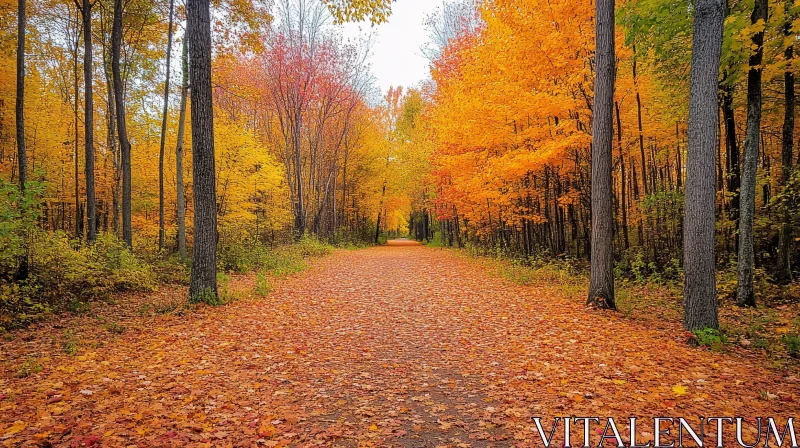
[396, 57]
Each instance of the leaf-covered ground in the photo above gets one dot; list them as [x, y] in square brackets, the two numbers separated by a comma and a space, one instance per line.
[392, 346]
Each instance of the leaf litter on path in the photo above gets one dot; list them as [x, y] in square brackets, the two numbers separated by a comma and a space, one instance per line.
[390, 346]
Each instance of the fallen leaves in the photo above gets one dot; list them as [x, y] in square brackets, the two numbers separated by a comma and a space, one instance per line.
[679, 390]
[385, 346]
[15, 428]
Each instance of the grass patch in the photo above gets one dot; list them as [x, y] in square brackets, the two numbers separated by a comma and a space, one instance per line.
[709, 337]
[69, 343]
[30, 366]
[114, 327]
[263, 286]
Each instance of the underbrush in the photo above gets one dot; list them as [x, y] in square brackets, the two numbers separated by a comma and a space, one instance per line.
[65, 275]
[280, 261]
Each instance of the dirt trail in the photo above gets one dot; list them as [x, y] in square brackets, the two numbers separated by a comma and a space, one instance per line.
[392, 346]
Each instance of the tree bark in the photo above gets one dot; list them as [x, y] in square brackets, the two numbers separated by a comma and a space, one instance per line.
[745, 295]
[181, 199]
[700, 295]
[78, 220]
[122, 129]
[784, 268]
[624, 186]
[161, 225]
[88, 120]
[20, 100]
[645, 186]
[601, 288]
[203, 283]
[22, 159]
[734, 172]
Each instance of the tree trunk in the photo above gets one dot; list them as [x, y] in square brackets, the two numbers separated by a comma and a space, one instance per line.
[380, 211]
[734, 177]
[601, 288]
[300, 209]
[22, 160]
[784, 268]
[181, 199]
[122, 129]
[700, 296]
[88, 120]
[744, 294]
[20, 100]
[78, 220]
[114, 148]
[624, 186]
[641, 129]
[161, 226]
[203, 283]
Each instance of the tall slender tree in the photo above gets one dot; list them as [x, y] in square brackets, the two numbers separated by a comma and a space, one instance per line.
[203, 284]
[161, 231]
[20, 100]
[700, 294]
[601, 288]
[85, 8]
[745, 295]
[181, 200]
[76, 155]
[122, 129]
[784, 268]
[22, 159]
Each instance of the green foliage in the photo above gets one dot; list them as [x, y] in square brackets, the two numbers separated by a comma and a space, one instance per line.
[517, 273]
[792, 343]
[206, 296]
[19, 213]
[251, 256]
[241, 256]
[114, 327]
[62, 273]
[69, 343]
[709, 337]
[65, 275]
[436, 241]
[30, 366]
[263, 287]
[633, 266]
[312, 247]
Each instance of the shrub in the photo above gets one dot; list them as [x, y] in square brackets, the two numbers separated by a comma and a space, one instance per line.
[792, 343]
[65, 275]
[263, 287]
[30, 366]
[207, 297]
[709, 337]
[69, 343]
[312, 247]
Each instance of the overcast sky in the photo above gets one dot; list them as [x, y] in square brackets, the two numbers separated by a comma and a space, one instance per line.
[396, 57]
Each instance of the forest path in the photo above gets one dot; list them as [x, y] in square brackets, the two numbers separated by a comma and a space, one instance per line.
[401, 345]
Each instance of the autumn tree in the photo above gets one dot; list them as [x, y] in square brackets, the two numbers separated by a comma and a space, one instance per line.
[601, 288]
[784, 264]
[179, 183]
[161, 154]
[745, 295]
[22, 161]
[203, 284]
[85, 8]
[121, 121]
[700, 296]
[20, 96]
